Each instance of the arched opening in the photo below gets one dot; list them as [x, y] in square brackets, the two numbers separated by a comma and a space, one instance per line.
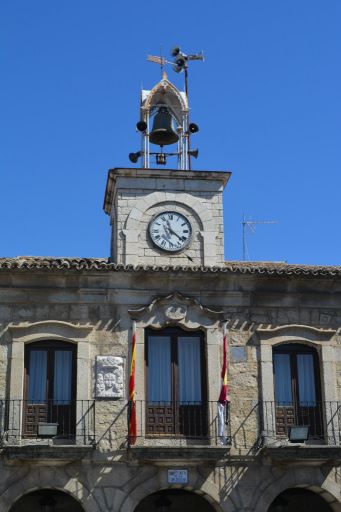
[174, 500]
[293, 500]
[47, 500]
[297, 389]
[50, 389]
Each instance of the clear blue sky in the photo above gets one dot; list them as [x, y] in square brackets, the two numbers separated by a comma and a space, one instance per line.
[267, 99]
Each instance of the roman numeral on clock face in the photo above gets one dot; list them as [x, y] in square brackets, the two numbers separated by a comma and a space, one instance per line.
[170, 231]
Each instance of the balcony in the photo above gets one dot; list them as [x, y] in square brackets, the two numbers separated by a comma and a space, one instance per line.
[169, 431]
[177, 430]
[36, 429]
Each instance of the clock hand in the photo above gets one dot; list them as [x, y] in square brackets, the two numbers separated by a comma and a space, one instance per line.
[167, 232]
[171, 230]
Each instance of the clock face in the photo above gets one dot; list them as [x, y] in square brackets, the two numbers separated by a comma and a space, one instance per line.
[170, 231]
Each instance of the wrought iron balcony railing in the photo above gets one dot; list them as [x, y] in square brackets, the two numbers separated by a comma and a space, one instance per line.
[69, 422]
[185, 422]
[247, 424]
[322, 417]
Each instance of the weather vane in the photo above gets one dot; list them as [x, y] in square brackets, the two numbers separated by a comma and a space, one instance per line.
[168, 108]
[180, 62]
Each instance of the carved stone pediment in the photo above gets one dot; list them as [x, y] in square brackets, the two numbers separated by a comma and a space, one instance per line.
[294, 332]
[176, 309]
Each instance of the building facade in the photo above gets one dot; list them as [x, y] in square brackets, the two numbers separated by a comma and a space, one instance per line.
[66, 337]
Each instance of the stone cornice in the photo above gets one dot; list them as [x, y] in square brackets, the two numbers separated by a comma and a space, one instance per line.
[113, 174]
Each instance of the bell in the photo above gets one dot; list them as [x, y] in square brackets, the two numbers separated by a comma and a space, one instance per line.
[162, 133]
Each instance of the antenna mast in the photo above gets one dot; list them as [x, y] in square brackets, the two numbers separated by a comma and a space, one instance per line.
[251, 224]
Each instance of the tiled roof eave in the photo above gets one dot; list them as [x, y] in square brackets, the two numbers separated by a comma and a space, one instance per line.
[41, 264]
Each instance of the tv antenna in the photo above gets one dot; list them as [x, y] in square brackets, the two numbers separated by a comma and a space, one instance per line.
[251, 225]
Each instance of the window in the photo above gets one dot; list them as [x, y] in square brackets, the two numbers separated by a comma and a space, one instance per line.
[297, 388]
[176, 383]
[49, 394]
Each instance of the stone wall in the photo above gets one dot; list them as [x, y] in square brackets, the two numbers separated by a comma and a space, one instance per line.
[139, 195]
[95, 311]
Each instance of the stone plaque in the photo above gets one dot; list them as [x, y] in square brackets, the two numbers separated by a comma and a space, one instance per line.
[177, 476]
[238, 354]
[109, 377]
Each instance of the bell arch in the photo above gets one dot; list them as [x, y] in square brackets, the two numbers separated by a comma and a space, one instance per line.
[167, 93]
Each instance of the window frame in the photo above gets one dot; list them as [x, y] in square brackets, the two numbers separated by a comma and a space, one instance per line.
[174, 332]
[51, 347]
[293, 350]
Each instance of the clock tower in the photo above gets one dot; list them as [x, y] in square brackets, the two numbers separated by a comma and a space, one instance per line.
[166, 217]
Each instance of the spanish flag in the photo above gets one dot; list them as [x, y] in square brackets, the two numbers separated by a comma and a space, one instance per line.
[132, 403]
[224, 393]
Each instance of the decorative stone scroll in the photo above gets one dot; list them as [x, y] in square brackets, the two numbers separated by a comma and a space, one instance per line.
[109, 377]
[176, 309]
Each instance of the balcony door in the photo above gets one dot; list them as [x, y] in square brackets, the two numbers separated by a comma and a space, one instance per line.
[297, 389]
[176, 383]
[50, 373]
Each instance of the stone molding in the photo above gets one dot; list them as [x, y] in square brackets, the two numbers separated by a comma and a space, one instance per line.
[176, 309]
[295, 333]
[189, 314]
[54, 330]
[143, 204]
[208, 227]
[48, 330]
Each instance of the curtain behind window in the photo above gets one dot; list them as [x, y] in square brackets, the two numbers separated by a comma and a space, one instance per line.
[189, 369]
[62, 377]
[283, 393]
[37, 376]
[159, 369]
[306, 380]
